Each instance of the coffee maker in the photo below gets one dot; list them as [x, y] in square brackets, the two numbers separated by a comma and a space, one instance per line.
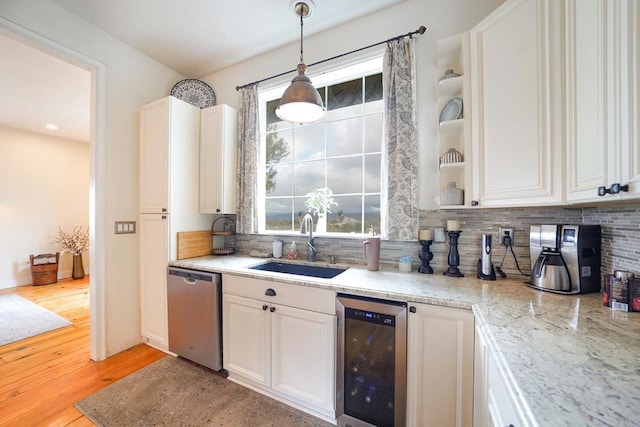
[565, 258]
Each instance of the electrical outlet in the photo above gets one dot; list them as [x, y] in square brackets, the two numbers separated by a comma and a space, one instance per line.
[503, 231]
[438, 235]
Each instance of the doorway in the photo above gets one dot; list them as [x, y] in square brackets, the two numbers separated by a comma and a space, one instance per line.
[96, 172]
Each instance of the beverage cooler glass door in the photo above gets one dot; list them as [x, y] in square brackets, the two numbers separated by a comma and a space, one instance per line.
[372, 368]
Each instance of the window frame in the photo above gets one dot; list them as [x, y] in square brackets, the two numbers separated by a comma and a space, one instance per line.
[337, 73]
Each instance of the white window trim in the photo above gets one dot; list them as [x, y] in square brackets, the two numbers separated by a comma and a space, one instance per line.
[338, 72]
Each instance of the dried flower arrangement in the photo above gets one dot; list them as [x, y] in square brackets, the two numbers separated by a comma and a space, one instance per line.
[75, 242]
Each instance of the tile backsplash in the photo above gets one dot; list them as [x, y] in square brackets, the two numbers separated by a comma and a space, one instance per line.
[620, 238]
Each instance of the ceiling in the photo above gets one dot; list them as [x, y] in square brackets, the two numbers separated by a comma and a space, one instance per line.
[39, 89]
[198, 37]
[193, 37]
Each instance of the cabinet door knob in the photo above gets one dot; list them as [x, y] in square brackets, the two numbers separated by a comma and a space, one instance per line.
[615, 188]
[163, 217]
[164, 209]
[474, 203]
[272, 309]
[265, 306]
[217, 210]
[412, 309]
[270, 292]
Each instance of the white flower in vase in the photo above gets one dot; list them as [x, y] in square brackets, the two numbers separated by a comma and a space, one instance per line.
[319, 202]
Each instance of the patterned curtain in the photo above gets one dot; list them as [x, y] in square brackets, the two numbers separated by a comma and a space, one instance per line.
[400, 158]
[246, 187]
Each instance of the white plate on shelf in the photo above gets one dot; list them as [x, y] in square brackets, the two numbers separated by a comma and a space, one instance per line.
[195, 92]
[452, 110]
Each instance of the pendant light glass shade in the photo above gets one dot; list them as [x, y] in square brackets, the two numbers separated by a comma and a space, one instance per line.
[301, 102]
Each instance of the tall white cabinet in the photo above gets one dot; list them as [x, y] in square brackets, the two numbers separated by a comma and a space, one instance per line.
[516, 57]
[169, 177]
[439, 366]
[218, 164]
[603, 99]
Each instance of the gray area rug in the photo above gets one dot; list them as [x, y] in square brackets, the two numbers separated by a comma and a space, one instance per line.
[176, 392]
[21, 318]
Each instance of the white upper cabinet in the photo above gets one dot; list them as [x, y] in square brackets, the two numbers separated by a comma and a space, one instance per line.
[603, 100]
[517, 131]
[218, 160]
[155, 137]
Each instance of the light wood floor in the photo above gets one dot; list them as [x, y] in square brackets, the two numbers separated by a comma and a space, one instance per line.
[43, 376]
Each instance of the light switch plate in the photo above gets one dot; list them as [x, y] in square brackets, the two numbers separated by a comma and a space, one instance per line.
[124, 227]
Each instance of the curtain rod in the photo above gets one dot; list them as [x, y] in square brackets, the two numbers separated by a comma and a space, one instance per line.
[420, 31]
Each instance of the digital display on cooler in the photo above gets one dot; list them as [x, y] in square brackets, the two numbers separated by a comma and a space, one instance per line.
[371, 317]
[569, 235]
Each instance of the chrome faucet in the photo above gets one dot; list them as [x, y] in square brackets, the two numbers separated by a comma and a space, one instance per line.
[307, 222]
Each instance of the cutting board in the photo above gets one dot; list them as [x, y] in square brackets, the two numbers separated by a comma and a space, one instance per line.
[194, 243]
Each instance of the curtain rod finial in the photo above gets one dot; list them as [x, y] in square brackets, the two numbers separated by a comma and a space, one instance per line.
[422, 29]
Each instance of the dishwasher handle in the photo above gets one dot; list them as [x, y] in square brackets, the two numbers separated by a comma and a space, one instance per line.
[191, 276]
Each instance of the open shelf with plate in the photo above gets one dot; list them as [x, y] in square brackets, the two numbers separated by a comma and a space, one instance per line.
[454, 129]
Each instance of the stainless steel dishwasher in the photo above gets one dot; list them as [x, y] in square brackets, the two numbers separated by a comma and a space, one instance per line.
[195, 315]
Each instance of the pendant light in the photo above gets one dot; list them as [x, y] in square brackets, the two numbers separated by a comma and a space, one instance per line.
[301, 102]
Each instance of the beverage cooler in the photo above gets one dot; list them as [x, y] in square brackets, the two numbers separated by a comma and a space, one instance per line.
[372, 362]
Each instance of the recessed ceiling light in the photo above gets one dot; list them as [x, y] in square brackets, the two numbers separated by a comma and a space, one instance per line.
[51, 126]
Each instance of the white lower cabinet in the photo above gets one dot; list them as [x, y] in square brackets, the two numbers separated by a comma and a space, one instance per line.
[281, 339]
[440, 366]
[493, 405]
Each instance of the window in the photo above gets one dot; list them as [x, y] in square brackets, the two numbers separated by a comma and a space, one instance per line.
[343, 153]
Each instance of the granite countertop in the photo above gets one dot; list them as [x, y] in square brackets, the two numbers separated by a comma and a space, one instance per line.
[569, 360]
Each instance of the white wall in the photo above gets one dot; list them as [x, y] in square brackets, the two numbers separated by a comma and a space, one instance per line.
[442, 18]
[44, 183]
[132, 79]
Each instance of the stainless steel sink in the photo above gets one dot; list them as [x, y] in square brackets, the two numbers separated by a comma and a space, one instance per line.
[299, 269]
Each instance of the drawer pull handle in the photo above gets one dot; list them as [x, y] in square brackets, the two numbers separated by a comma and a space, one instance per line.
[270, 292]
[265, 306]
[272, 309]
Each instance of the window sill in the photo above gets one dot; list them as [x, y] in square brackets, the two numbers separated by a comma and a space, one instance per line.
[327, 235]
